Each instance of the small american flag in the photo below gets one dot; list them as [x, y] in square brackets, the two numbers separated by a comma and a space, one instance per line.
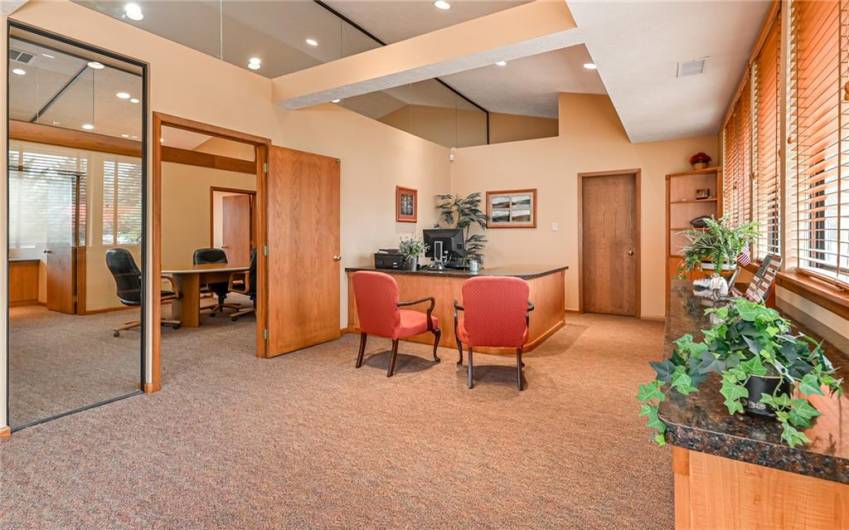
[745, 257]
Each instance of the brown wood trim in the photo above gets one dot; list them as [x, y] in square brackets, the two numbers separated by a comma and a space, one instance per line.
[638, 250]
[399, 218]
[261, 238]
[704, 171]
[261, 149]
[150, 388]
[45, 134]
[81, 274]
[820, 293]
[252, 193]
[106, 310]
[5, 432]
[532, 224]
[197, 158]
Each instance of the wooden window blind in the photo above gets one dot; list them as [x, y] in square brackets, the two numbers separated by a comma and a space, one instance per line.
[737, 166]
[821, 136]
[766, 207]
[122, 202]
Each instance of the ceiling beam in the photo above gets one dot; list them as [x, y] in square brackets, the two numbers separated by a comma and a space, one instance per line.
[7, 7]
[528, 29]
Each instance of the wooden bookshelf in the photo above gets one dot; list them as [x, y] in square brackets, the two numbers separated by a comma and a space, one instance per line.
[682, 206]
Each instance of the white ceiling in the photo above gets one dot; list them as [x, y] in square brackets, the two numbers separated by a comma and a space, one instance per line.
[637, 46]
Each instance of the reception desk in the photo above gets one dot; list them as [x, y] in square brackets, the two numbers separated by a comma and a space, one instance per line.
[547, 286]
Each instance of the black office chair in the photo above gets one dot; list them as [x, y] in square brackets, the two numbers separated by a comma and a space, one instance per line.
[245, 283]
[128, 286]
[220, 289]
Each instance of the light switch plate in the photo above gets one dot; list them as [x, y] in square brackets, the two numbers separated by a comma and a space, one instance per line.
[555, 227]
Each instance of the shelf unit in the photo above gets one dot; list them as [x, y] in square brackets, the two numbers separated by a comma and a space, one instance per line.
[682, 206]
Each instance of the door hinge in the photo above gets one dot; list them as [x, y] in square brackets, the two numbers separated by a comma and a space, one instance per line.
[265, 250]
[265, 167]
[265, 334]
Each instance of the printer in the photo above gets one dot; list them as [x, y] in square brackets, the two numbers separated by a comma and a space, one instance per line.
[388, 258]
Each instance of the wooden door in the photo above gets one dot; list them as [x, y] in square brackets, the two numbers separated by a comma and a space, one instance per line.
[610, 280]
[303, 250]
[60, 278]
[236, 228]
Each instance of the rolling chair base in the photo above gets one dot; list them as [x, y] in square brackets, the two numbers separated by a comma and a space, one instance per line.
[175, 324]
[242, 312]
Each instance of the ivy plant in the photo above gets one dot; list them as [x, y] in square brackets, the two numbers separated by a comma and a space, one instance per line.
[749, 340]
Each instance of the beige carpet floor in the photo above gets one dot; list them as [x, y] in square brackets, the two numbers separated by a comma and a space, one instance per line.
[307, 441]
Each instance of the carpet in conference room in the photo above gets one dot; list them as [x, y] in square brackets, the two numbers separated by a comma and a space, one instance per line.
[305, 440]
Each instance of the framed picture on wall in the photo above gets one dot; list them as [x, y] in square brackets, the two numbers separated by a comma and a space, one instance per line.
[406, 205]
[511, 208]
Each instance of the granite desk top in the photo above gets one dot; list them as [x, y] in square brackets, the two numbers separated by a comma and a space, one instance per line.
[526, 272]
[700, 421]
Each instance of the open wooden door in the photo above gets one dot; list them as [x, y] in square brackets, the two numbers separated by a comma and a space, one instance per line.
[237, 228]
[303, 250]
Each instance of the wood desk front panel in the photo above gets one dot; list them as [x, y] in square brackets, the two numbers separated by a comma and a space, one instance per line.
[547, 293]
[23, 282]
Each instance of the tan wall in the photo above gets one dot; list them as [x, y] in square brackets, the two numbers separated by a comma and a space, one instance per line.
[186, 211]
[513, 127]
[4, 244]
[446, 126]
[190, 84]
[592, 139]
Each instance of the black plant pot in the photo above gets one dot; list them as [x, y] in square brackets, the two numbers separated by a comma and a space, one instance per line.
[757, 386]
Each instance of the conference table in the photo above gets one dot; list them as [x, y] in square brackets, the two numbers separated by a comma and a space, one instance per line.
[188, 281]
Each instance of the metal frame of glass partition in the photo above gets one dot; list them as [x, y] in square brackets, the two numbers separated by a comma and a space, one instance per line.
[144, 202]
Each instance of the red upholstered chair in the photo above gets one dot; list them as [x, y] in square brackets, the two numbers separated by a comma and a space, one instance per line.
[380, 313]
[496, 314]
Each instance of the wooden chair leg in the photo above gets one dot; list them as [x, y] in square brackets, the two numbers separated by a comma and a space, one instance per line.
[460, 351]
[363, 337]
[471, 369]
[519, 365]
[437, 334]
[391, 369]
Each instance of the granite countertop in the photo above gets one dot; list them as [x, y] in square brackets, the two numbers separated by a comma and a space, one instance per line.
[526, 272]
[701, 422]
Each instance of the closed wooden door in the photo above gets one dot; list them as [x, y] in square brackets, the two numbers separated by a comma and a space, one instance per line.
[610, 244]
[236, 228]
[60, 278]
[303, 250]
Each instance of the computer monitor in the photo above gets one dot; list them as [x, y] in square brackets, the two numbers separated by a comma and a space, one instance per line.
[450, 240]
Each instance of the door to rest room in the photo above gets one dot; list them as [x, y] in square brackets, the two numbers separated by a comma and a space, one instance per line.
[303, 249]
[610, 246]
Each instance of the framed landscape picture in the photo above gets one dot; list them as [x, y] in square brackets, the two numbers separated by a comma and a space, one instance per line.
[511, 208]
[406, 205]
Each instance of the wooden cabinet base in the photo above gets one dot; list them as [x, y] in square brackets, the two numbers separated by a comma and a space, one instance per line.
[715, 492]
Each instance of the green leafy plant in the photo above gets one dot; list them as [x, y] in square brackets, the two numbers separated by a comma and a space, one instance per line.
[456, 211]
[750, 340]
[718, 243]
[411, 247]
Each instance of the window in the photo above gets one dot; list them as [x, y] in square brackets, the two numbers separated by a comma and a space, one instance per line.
[820, 138]
[47, 201]
[122, 201]
[766, 207]
[737, 168]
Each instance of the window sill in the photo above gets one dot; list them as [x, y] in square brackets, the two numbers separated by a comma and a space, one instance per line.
[820, 293]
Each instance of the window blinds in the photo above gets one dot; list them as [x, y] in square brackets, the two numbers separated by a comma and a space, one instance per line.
[122, 202]
[821, 136]
[766, 207]
[737, 165]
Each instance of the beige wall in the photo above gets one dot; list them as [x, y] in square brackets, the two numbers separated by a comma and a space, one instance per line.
[513, 127]
[190, 84]
[592, 139]
[443, 125]
[186, 213]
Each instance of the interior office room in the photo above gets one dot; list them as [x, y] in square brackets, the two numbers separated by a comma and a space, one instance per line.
[476, 264]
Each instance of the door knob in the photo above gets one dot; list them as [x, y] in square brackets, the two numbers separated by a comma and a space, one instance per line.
[337, 258]
[47, 251]
[630, 251]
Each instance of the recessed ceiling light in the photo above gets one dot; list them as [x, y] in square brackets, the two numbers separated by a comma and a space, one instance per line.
[48, 56]
[590, 66]
[311, 41]
[501, 63]
[88, 126]
[19, 71]
[122, 95]
[335, 100]
[442, 4]
[125, 136]
[133, 11]
[134, 100]
[95, 65]
[254, 63]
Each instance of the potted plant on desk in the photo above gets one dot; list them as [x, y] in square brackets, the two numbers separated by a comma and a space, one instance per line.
[765, 370]
[411, 248]
[714, 248]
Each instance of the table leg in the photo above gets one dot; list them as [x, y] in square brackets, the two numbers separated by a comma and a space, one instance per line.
[188, 305]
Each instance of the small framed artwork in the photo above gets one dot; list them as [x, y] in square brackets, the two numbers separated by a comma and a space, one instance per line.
[406, 205]
[511, 208]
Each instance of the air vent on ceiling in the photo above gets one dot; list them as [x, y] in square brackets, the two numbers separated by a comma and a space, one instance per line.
[694, 67]
[19, 56]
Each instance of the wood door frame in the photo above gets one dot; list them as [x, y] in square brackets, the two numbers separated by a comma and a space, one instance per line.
[637, 173]
[261, 146]
[212, 190]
